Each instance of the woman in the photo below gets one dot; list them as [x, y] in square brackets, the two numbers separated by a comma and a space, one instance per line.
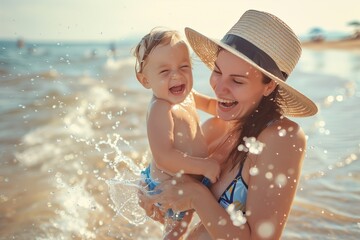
[260, 150]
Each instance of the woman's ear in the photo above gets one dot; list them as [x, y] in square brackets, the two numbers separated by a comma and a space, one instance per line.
[269, 88]
[143, 80]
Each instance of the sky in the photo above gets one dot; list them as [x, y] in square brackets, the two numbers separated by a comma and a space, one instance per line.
[112, 20]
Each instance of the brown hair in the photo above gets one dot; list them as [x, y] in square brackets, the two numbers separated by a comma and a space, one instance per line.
[156, 37]
[267, 111]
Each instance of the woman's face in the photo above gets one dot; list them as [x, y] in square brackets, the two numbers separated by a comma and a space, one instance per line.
[238, 86]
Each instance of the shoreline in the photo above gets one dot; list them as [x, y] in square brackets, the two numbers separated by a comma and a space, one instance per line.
[343, 44]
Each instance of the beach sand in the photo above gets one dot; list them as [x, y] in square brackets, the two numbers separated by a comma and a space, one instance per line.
[343, 44]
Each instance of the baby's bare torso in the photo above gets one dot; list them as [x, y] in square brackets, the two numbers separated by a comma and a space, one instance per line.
[188, 136]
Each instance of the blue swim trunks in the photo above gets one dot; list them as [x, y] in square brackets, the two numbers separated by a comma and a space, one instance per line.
[145, 176]
[151, 184]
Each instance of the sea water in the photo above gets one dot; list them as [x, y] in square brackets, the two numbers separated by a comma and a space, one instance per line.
[72, 127]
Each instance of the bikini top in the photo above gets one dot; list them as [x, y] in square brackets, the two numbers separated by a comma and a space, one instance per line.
[235, 193]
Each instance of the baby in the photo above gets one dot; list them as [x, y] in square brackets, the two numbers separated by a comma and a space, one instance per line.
[176, 141]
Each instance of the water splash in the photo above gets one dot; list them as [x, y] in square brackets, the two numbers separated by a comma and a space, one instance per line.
[119, 156]
[123, 193]
[124, 186]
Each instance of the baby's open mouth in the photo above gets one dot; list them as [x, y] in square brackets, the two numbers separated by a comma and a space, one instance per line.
[177, 89]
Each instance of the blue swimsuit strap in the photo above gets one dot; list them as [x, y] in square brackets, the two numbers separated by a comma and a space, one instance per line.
[238, 177]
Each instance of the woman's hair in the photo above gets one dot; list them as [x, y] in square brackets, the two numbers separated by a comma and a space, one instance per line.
[267, 111]
[156, 37]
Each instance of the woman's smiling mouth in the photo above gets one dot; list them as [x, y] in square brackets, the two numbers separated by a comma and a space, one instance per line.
[226, 103]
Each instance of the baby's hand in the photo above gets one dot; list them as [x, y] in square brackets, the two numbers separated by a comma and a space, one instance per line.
[212, 170]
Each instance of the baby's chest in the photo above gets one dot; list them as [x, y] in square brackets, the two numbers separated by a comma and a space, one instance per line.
[186, 123]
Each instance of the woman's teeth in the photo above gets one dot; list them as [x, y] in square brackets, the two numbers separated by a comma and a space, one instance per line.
[226, 103]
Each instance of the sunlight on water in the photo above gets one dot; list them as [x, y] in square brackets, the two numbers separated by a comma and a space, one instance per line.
[73, 142]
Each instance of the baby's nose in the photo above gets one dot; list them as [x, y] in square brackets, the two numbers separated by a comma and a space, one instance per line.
[174, 74]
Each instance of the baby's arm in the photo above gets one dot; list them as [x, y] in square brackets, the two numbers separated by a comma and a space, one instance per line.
[204, 103]
[160, 127]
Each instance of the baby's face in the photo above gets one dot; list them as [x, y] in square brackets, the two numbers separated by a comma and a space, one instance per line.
[168, 72]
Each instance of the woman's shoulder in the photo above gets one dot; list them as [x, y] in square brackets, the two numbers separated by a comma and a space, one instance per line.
[283, 131]
[285, 141]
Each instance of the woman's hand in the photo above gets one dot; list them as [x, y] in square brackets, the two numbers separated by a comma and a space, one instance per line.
[151, 210]
[177, 193]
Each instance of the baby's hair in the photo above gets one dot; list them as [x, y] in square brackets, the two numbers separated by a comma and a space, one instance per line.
[157, 36]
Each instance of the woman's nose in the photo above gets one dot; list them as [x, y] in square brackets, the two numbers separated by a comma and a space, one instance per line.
[218, 85]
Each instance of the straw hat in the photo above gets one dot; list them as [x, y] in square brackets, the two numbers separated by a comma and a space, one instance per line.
[267, 43]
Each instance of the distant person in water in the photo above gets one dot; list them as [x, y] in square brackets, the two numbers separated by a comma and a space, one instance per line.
[112, 49]
[175, 137]
[20, 43]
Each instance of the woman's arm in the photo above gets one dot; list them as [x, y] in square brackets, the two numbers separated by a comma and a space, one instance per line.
[205, 103]
[273, 187]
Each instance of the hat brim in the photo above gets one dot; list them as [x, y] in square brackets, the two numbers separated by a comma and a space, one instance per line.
[292, 102]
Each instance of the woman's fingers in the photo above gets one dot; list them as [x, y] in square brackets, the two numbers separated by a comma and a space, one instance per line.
[152, 211]
[145, 203]
[158, 215]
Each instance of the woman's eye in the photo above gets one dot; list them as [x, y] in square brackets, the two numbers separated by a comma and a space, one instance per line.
[237, 81]
[164, 71]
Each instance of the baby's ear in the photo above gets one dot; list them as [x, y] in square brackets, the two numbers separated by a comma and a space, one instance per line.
[143, 80]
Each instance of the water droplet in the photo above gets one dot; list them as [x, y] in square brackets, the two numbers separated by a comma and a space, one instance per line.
[269, 175]
[184, 224]
[291, 171]
[282, 133]
[241, 147]
[222, 222]
[339, 98]
[266, 230]
[254, 171]
[180, 173]
[281, 180]
[236, 216]
[254, 146]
